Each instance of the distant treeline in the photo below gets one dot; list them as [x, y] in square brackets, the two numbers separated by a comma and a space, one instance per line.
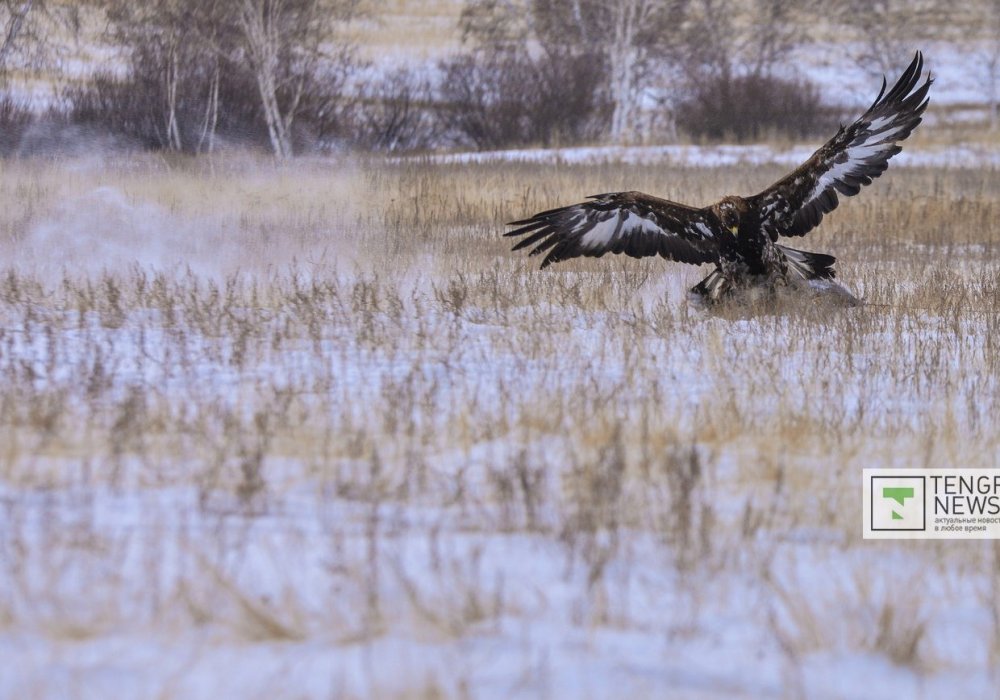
[196, 75]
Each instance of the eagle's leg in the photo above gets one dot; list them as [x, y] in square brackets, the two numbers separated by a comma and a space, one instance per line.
[721, 282]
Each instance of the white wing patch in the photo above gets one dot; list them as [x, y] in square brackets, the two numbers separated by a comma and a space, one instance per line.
[877, 124]
[856, 158]
[703, 229]
[634, 222]
[601, 235]
[626, 223]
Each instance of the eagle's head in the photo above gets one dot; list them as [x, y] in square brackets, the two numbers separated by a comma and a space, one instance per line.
[730, 211]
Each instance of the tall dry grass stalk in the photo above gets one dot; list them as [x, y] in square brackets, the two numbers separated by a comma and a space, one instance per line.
[323, 404]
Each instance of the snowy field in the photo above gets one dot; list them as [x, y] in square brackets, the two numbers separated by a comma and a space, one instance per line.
[962, 155]
[313, 432]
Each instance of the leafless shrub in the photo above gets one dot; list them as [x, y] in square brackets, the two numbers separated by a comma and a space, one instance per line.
[501, 99]
[15, 117]
[395, 113]
[753, 107]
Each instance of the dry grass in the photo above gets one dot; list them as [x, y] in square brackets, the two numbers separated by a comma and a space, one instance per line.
[329, 407]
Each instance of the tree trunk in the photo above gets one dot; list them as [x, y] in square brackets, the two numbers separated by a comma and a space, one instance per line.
[211, 113]
[259, 22]
[623, 57]
[622, 96]
[173, 131]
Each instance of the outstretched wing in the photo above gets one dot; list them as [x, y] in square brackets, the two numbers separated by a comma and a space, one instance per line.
[621, 222]
[858, 154]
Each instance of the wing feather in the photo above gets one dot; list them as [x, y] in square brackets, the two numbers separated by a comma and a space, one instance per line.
[858, 154]
[631, 223]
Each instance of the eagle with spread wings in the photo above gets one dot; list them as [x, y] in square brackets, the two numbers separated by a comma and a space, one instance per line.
[739, 234]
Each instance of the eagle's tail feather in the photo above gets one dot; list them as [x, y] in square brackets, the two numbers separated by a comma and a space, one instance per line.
[809, 266]
[713, 287]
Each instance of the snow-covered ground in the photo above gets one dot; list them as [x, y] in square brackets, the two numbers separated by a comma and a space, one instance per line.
[968, 155]
[308, 447]
[151, 594]
[411, 569]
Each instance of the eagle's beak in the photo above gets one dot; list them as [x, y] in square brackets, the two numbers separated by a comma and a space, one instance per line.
[735, 229]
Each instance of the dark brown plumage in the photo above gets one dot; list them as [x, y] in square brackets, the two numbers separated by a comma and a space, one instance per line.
[739, 234]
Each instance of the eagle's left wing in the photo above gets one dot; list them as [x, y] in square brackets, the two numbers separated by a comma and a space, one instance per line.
[858, 154]
[632, 223]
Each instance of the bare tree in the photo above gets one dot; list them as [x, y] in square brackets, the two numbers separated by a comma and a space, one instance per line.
[722, 38]
[635, 38]
[283, 41]
[636, 27]
[260, 23]
[174, 39]
[27, 31]
[234, 66]
[625, 41]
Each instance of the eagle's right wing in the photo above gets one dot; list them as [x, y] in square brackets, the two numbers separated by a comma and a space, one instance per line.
[632, 223]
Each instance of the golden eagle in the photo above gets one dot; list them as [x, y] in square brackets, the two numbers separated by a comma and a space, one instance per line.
[739, 234]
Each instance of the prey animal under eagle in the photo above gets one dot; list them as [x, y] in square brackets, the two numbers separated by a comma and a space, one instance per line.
[739, 234]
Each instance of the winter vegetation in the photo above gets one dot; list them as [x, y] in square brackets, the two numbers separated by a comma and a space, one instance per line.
[281, 415]
[261, 438]
[318, 76]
